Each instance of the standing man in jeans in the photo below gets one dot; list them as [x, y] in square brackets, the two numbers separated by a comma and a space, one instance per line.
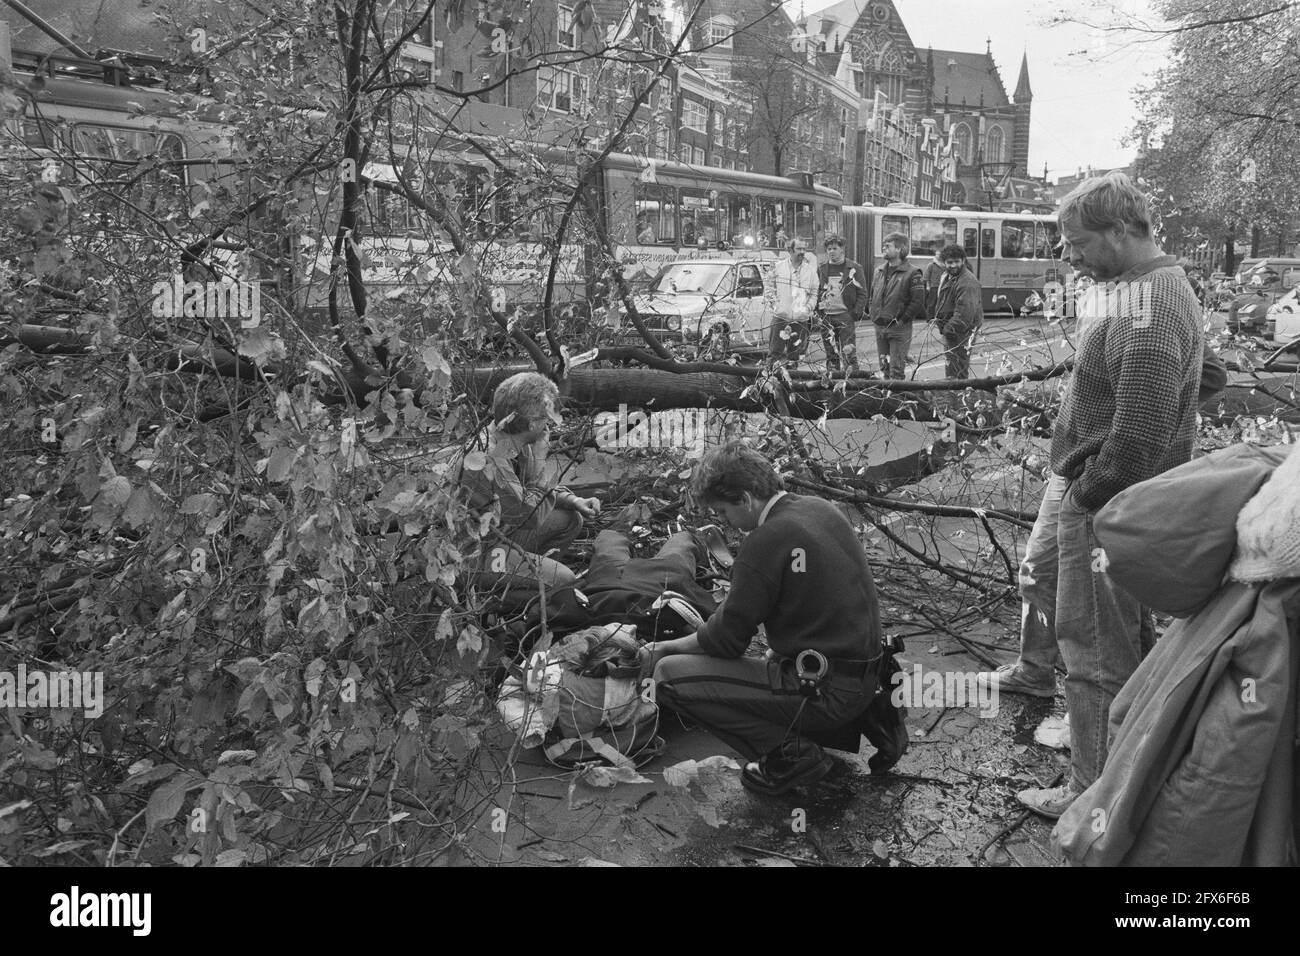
[897, 300]
[958, 310]
[1128, 414]
[841, 297]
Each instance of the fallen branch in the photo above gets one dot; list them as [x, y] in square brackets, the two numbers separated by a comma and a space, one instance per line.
[1021, 519]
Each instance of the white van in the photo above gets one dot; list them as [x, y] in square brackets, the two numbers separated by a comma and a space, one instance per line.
[726, 302]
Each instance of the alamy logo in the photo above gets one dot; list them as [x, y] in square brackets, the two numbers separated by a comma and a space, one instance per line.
[102, 909]
[227, 299]
[680, 428]
[53, 690]
[931, 688]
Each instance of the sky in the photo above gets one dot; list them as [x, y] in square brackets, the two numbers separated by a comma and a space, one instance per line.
[1082, 79]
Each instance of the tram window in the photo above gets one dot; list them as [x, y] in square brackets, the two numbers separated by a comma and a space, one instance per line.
[656, 214]
[740, 221]
[831, 220]
[700, 208]
[890, 224]
[771, 222]
[801, 214]
[1042, 242]
[1052, 233]
[930, 235]
[989, 243]
[1017, 239]
[970, 241]
[40, 134]
[109, 151]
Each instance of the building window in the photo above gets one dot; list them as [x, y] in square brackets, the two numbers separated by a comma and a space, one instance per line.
[695, 116]
[559, 90]
[661, 142]
[564, 32]
[961, 139]
[697, 156]
[425, 50]
[721, 30]
[684, 153]
[457, 80]
[993, 147]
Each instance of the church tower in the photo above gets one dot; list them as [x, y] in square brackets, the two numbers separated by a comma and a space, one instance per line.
[1024, 96]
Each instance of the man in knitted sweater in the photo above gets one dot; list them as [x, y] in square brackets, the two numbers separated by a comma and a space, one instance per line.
[802, 573]
[1128, 414]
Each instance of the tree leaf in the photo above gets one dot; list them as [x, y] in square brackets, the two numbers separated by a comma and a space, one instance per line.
[150, 775]
[199, 504]
[166, 801]
[470, 640]
[282, 461]
[140, 508]
[116, 491]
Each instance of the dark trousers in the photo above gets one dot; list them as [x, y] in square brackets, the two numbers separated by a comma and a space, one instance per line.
[839, 336]
[956, 351]
[671, 569]
[755, 705]
[512, 568]
[789, 338]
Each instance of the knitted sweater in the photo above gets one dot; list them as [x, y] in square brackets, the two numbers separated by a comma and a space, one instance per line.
[803, 575]
[1129, 410]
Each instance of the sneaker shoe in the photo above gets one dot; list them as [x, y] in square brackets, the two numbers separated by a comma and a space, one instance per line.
[1051, 802]
[1012, 679]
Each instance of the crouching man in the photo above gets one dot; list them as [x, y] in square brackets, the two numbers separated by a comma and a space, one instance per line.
[802, 573]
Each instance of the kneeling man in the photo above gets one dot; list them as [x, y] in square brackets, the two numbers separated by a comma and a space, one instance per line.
[802, 573]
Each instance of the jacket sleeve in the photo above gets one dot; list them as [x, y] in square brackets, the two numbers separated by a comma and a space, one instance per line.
[731, 628]
[966, 310]
[915, 310]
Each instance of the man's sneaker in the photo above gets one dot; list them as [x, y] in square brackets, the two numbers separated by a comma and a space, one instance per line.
[1012, 679]
[1050, 802]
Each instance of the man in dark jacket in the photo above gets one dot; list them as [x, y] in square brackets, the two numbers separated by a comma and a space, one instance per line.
[958, 311]
[841, 300]
[802, 573]
[897, 300]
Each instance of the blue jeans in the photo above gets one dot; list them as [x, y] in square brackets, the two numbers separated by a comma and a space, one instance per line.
[1071, 604]
[892, 343]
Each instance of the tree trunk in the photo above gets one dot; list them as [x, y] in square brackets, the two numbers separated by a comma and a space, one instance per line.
[607, 388]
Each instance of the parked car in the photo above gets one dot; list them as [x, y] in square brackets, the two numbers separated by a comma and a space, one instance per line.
[725, 302]
[1265, 284]
[1282, 323]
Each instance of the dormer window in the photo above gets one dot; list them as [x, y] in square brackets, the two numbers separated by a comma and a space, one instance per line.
[721, 31]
